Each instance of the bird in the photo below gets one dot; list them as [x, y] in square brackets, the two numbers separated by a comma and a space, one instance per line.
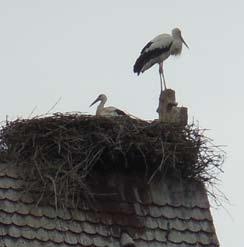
[159, 49]
[106, 111]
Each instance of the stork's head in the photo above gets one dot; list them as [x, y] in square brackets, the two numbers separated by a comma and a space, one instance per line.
[101, 97]
[176, 33]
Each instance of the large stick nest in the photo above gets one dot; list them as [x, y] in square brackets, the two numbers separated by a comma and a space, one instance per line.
[58, 154]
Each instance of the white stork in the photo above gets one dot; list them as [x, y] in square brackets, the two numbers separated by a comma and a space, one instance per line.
[106, 111]
[158, 50]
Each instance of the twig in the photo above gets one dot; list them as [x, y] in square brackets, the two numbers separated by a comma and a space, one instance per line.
[55, 191]
[59, 99]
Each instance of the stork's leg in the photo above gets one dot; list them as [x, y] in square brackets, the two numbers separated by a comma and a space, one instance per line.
[161, 83]
[164, 80]
[161, 71]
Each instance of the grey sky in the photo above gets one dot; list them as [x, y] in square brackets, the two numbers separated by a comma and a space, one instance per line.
[77, 49]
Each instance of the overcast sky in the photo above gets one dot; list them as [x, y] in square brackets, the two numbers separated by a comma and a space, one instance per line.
[77, 49]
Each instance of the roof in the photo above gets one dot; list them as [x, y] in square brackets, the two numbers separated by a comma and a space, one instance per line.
[126, 211]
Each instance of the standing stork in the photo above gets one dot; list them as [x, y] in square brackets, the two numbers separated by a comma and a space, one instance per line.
[106, 111]
[158, 50]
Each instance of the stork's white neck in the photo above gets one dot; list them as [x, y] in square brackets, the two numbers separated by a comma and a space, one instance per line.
[100, 107]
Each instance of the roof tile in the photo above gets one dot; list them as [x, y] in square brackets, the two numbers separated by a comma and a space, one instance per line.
[42, 235]
[78, 215]
[63, 213]
[3, 230]
[18, 220]
[188, 237]
[20, 242]
[200, 214]
[9, 242]
[150, 235]
[8, 170]
[5, 218]
[70, 238]
[100, 241]
[114, 243]
[85, 240]
[74, 226]
[29, 233]
[143, 243]
[191, 225]
[102, 230]
[57, 237]
[160, 235]
[88, 227]
[155, 211]
[162, 223]
[14, 231]
[9, 183]
[21, 208]
[45, 223]
[10, 194]
[7, 206]
[51, 212]
[92, 217]
[150, 222]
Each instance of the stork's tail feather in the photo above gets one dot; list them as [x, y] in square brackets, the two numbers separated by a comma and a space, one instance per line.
[138, 65]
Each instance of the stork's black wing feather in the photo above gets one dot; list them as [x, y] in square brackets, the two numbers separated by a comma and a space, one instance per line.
[146, 46]
[119, 112]
[145, 57]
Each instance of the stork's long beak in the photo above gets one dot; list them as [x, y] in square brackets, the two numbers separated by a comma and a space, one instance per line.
[184, 42]
[95, 101]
